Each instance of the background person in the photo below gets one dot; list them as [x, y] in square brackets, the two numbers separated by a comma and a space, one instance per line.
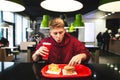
[64, 49]
[99, 39]
[106, 40]
[4, 41]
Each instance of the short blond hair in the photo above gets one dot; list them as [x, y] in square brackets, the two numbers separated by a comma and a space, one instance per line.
[56, 23]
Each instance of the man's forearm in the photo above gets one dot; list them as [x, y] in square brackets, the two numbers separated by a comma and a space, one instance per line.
[83, 56]
[35, 57]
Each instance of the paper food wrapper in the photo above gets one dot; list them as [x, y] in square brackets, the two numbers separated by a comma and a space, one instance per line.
[53, 72]
[64, 72]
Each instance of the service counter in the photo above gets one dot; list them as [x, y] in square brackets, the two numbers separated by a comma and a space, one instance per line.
[114, 46]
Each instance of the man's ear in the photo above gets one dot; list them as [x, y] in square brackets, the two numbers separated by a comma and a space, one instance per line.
[65, 30]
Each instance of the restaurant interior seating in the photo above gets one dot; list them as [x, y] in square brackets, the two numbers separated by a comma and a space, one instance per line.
[30, 51]
[4, 56]
[24, 45]
[15, 52]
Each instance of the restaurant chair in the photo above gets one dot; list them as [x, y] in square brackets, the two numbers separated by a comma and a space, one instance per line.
[15, 52]
[4, 56]
[30, 51]
[94, 57]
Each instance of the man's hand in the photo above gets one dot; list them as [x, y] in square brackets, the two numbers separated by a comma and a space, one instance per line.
[77, 59]
[41, 51]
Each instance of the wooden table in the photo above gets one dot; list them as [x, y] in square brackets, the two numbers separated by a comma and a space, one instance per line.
[11, 50]
[10, 47]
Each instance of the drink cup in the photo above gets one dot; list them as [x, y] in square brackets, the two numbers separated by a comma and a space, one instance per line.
[48, 46]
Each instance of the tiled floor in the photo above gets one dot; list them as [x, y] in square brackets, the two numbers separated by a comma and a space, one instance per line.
[22, 57]
[109, 58]
[103, 59]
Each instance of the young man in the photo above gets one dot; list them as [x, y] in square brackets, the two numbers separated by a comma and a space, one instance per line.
[64, 49]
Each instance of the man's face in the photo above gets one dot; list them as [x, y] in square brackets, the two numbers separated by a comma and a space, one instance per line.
[57, 34]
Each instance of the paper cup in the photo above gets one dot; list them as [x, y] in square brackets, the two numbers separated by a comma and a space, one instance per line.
[48, 46]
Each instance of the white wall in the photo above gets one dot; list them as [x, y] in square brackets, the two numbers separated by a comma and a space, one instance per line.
[81, 34]
[86, 34]
[89, 32]
[99, 24]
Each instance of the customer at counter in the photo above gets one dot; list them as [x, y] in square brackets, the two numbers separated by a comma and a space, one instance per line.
[99, 39]
[106, 40]
[64, 49]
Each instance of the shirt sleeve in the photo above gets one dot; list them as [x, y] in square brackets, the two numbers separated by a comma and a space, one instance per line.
[80, 48]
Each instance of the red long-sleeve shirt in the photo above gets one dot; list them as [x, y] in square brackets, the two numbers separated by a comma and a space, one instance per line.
[64, 51]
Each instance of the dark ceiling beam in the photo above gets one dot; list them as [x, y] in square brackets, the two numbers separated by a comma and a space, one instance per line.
[34, 10]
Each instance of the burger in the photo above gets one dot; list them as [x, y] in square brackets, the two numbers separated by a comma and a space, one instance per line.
[53, 69]
[69, 70]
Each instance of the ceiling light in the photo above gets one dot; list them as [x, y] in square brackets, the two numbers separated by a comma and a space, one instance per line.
[11, 5]
[30, 30]
[110, 6]
[78, 23]
[45, 22]
[71, 28]
[61, 5]
[3, 24]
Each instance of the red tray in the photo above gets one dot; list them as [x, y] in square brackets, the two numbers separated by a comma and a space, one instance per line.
[82, 71]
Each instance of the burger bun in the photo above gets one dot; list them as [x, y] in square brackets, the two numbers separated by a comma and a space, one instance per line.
[69, 70]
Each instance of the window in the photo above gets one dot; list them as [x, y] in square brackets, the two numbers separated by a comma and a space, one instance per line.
[0, 28]
[0, 17]
[21, 23]
[8, 17]
[10, 35]
[18, 29]
[26, 24]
